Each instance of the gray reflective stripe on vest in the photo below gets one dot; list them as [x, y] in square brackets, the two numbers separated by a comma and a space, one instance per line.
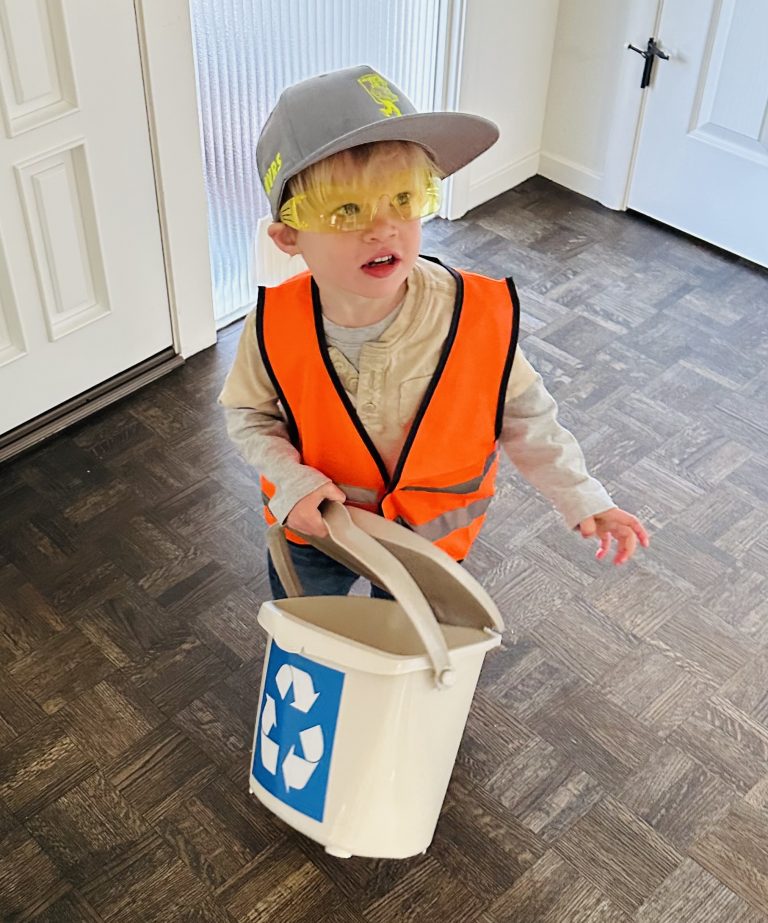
[360, 494]
[467, 487]
[265, 499]
[446, 523]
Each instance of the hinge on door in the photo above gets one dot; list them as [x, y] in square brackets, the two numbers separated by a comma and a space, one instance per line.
[651, 52]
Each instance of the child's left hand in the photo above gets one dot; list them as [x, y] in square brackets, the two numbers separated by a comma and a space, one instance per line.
[618, 524]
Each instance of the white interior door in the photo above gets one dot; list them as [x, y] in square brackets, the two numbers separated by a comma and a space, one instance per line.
[83, 291]
[702, 161]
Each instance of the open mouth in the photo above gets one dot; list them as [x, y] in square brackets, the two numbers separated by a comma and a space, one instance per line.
[381, 261]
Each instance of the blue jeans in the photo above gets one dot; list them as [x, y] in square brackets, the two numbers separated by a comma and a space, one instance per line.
[319, 575]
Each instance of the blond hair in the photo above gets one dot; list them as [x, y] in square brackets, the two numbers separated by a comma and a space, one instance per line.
[367, 161]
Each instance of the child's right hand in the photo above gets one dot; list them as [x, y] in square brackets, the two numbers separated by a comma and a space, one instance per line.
[305, 515]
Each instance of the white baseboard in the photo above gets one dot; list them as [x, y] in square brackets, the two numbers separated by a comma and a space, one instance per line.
[571, 175]
[488, 187]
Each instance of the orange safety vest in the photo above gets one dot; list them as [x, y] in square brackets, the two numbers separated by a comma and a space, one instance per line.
[444, 479]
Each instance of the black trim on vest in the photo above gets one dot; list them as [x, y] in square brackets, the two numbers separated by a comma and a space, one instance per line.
[317, 310]
[510, 355]
[449, 340]
[293, 430]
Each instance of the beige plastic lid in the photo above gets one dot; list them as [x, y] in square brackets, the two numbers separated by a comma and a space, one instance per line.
[426, 581]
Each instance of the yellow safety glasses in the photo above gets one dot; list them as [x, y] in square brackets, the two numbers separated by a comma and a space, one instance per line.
[353, 207]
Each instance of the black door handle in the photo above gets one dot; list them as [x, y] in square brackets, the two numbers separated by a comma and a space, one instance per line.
[650, 53]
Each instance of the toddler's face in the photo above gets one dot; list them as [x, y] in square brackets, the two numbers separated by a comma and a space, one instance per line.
[373, 262]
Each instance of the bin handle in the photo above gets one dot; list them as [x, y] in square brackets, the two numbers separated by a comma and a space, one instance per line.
[359, 545]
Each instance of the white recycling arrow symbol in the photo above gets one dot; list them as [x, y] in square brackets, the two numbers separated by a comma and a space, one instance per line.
[297, 770]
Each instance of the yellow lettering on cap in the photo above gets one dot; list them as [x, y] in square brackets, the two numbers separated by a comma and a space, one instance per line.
[271, 175]
[379, 91]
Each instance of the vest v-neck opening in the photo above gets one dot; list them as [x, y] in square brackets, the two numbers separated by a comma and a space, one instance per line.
[434, 381]
[317, 311]
[390, 481]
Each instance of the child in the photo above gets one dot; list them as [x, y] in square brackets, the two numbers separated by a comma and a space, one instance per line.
[381, 378]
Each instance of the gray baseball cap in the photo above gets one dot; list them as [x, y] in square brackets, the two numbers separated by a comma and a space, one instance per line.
[341, 109]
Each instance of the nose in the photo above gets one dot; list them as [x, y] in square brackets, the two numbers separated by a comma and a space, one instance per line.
[385, 221]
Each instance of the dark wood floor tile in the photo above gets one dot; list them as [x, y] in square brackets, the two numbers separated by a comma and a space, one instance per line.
[427, 894]
[110, 718]
[152, 554]
[26, 618]
[553, 892]
[163, 413]
[194, 593]
[544, 790]
[677, 796]
[655, 690]
[251, 824]
[280, 884]
[120, 869]
[89, 823]
[175, 677]
[601, 739]
[236, 476]
[479, 842]
[619, 854]
[160, 772]
[72, 908]
[219, 831]
[583, 639]
[18, 711]
[61, 669]
[230, 627]
[131, 629]
[735, 851]
[155, 472]
[221, 724]
[192, 512]
[701, 644]
[88, 581]
[203, 843]
[7, 821]
[748, 689]
[726, 741]
[524, 591]
[360, 880]
[637, 601]
[757, 796]
[29, 881]
[692, 895]
[36, 543]
[110, 435]
[38, 767]
[169, 892]
[531, 678]
[491, 736]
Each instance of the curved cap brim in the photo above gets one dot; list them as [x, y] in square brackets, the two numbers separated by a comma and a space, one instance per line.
[453, 139]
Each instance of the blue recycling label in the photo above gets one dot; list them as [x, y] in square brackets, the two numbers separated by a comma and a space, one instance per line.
[296, 729]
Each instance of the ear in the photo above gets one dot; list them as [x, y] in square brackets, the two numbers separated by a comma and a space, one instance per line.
[285, 238]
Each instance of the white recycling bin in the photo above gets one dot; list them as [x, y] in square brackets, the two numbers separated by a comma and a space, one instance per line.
[363, 701]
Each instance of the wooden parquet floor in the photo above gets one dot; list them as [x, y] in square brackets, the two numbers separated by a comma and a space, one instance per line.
[615, 763]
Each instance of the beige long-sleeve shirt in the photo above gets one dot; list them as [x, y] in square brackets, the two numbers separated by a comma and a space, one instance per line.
[386, 386]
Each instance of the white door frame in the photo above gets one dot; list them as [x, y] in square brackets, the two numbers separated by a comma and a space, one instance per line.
[165, 39]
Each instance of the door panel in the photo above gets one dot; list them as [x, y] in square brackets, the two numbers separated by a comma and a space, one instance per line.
[82, 282]
[702, 160]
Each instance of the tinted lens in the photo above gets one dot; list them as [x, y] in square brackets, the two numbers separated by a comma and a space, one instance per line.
[353, 209]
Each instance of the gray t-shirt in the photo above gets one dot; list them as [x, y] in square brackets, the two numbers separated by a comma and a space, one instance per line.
[350, 340]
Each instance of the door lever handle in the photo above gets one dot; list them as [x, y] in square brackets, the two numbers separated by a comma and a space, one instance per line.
[650, 53]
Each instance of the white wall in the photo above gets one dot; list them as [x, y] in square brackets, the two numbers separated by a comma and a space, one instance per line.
[505, 71]
[594, 99]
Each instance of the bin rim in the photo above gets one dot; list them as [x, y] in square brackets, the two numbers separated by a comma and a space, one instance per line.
[356, 655]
